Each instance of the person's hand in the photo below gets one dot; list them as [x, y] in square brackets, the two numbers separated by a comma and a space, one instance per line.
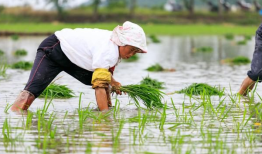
[116, 87]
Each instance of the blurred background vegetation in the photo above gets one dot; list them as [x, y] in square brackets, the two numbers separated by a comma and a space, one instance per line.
[144, 11]
[169, 12]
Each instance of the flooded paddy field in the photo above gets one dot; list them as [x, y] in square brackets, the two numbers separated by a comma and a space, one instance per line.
[187, 124]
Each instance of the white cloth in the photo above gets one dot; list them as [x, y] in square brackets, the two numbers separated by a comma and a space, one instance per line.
[130, 34]
[89, 48]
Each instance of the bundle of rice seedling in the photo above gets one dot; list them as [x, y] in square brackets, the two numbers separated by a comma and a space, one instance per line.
[22, 65]
[132, 59]
[20, 52]
[199, 88]
[152, 83]
[150, 97]
[155, 68]
[57, 91]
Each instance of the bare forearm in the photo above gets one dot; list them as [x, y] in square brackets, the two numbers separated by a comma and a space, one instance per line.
[101, 98]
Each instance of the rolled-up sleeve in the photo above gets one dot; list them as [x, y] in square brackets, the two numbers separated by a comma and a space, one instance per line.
[101, 78]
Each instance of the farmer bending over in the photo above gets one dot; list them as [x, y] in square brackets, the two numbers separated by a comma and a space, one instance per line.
[89, 55]
[255, 74]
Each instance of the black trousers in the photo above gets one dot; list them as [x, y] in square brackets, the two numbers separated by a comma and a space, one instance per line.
[256, 66]
[49, 62]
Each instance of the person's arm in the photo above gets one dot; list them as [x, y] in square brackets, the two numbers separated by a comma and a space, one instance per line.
[101, 98]
[100, 82]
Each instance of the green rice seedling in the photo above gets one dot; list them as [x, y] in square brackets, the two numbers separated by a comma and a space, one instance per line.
[50, 122]
[2, 52]
[154, 39]
[252, 93]
[204, 49]
[53, 133]
[229, 36]
[150, 97]
[88, 147]
[132, 59]
[134, 133]
[3, 69]
[57, 91]
[242, 42]
[142, 123]
[116, 108]
[29, 119]
[64, 116]
[6, 131]
[20, 52]
[25, 65]
[81, 113]
[163, 118]
[247, 37]
[116, 137]
[14, 37]
[240, 60]
[152, 83]
[155, 68]
[46, 105]
[7, 107]
[199, 88]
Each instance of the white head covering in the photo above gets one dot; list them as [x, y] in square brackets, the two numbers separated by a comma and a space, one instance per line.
[130, 34]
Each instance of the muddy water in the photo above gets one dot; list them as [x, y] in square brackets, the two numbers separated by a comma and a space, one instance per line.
[189, 128]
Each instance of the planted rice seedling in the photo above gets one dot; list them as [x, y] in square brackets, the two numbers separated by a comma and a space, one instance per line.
[29, 119]
[154, 39]
[14, 37]
[3, 70]
[229, 36]
[7, 107]
[21, 52]
[25, 65]
[158, 68]
[242, 42]
[57, 91]
[200, 88]
[237, 60]
[152, 83]
[1, 52]
[204, 49]
[247, 37]
[155, 68]
[132, 59]
[150, 97]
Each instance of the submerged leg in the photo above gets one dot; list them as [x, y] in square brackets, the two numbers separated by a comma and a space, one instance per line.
[23, 101]
[247, 85]
[42, 74]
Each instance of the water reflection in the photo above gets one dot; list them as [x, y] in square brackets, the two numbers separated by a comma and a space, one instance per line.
[172, 49]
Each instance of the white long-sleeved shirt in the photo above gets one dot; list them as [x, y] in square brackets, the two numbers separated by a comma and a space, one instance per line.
[89, 48]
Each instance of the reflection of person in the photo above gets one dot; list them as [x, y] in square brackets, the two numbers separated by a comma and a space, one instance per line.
[255, 74]
[89, 55]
